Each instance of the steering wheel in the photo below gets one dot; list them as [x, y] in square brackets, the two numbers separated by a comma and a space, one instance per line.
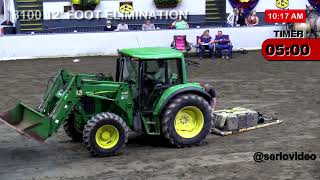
[148, 77]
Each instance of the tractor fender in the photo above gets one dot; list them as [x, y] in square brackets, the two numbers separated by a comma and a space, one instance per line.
[165, 99]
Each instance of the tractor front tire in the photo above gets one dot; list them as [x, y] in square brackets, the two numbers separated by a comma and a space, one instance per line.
[187, 120]
[72, 130]
[105, 134]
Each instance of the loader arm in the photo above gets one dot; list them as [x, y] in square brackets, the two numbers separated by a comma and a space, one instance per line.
[63, 97]
[55, 107]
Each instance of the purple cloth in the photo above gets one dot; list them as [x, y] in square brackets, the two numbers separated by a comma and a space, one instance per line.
[315, 3]
[247, 6]
[223, 47]
[223, 37]
[203, 49]
[205, 39]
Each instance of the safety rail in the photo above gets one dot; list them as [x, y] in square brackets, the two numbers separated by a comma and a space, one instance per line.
[100, 28]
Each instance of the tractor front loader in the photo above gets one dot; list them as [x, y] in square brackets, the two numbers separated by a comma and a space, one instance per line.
[150, 94]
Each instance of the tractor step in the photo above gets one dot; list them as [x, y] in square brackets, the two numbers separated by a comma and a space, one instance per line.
[150, 122]
[147, 113]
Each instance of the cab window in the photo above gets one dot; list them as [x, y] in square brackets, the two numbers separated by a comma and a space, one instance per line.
[174, 72]
[165, 72]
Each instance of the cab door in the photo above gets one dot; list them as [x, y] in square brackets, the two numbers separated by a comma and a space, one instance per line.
[157, 76]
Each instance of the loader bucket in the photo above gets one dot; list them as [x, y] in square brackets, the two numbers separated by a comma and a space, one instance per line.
[27, 121]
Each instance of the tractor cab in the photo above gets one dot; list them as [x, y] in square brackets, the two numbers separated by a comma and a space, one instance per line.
[150, 71]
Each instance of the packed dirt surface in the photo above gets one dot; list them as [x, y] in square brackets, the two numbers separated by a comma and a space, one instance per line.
[289, 89]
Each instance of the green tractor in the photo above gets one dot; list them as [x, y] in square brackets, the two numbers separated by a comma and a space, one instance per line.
[149, 94]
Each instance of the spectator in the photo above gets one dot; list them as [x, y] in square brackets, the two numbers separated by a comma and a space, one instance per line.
[233, 18]
[241, 18]
[122, 26]
[206, 42]
[179, 23]
[7, 23]
[8, 27]
[223, 43]
[148, 26]
[252, 19]
[210, 90]
[109, 26]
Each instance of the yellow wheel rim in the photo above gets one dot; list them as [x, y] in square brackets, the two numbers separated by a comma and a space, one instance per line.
[189, 122]
[107, 136]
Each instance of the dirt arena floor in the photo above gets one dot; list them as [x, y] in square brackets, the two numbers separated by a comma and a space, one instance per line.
[289, 89]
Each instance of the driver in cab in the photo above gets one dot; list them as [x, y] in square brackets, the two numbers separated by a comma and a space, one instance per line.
[158, 74]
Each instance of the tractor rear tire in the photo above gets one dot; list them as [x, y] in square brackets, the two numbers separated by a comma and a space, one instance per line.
[187, 120]
[72, 130]
[105, 134]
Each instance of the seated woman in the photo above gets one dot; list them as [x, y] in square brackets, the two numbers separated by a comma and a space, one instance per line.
[179, 23]
[252, 19]
[205, 41]
[242, 17]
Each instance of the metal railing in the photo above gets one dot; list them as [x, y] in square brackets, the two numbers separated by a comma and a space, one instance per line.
[133, 27]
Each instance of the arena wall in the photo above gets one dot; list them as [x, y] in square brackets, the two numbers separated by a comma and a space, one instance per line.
[107, 43]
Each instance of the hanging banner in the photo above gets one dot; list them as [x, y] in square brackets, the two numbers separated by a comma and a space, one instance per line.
[315, 3]
[126, 7]
[247, 5]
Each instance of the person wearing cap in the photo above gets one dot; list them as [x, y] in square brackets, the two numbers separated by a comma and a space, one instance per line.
[210, 90]
[122, 26]
[223, 43]
[7, 27]
[7, 23]
[109, 26]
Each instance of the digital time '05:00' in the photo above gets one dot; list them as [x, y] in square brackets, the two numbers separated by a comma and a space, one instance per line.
[291, 49]
[282, 50]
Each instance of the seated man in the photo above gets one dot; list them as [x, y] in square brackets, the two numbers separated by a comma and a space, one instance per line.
[148, 26]
[155, 72]
[122, 26]
[223, 43]
[205, 41]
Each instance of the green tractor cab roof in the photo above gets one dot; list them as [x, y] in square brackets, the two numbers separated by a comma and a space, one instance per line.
[152, 53]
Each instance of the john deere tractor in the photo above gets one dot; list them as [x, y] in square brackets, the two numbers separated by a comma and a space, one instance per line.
[149, 94]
